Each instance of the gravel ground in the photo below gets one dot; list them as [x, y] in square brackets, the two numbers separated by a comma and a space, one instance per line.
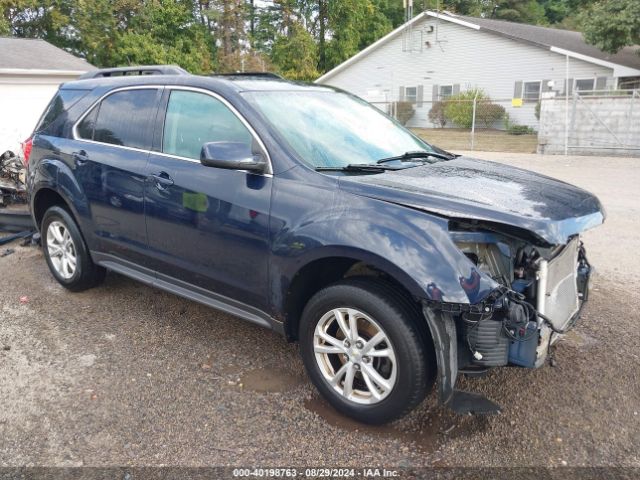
[128, 375]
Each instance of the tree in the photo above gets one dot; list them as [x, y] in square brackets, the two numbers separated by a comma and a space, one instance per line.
[164, 32]
[612, 24]
[458, 109]
[346, 23]
[524, 11]
[296, 54]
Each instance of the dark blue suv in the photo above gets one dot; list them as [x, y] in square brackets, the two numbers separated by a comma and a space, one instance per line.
[304, 209]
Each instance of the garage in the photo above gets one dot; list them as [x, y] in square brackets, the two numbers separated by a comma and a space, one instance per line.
[30, 72]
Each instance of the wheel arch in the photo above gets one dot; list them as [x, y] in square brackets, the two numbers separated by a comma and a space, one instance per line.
[54, 183]
[332, 266]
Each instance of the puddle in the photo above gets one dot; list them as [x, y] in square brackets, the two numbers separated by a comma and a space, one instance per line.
[425, 440]
[269, 380]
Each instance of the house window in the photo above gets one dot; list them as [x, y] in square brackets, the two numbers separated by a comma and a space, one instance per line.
[585, 85]
[411, 94]
[445, 91]
[531, 91]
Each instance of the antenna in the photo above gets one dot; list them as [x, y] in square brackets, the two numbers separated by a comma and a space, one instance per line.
[408, 9]
[408, 15]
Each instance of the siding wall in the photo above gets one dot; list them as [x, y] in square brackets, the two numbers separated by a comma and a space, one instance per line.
[458, 55]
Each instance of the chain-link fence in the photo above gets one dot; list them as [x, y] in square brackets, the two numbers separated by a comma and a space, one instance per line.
[585, 123]
[473, 124]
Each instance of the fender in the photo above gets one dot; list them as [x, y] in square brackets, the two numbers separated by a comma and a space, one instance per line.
[412, 246]
[54, 174]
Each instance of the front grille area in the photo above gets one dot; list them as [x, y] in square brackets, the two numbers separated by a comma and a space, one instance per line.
[561, 300]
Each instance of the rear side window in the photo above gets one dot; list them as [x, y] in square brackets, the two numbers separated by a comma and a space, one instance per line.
[123, 118]
[194, 119]
[59, 105]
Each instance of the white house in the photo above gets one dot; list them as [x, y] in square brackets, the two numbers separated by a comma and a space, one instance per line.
[30, 72]
[436, 55]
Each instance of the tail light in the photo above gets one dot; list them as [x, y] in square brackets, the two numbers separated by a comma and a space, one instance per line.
[27, 145]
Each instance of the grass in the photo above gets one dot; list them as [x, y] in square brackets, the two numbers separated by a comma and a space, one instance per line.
[487, 140]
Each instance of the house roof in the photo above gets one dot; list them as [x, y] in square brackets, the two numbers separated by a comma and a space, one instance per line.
[34, 56]
[565, 42]
[555, 37]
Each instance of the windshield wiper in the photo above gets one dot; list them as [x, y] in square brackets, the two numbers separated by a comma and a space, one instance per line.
[415, 155]
[355, 167]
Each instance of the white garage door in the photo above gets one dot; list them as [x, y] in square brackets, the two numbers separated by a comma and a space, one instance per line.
[21, 104]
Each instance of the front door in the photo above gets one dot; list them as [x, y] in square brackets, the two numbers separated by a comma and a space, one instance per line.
[110, 164]
[207, 226]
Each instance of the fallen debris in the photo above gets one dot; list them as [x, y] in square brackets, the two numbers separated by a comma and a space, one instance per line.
[7, 251]
[16, 236]
[12, 187]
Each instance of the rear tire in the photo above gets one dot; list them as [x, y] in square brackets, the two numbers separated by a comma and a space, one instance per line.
[66, 252]
[384, 367]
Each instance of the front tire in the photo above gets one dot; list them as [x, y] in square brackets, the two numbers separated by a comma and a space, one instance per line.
[364, 350]
[66, 252]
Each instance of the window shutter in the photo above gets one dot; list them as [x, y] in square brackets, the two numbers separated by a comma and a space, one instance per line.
[456, 89]
[401, 94]
[517, 90]
[435, 93]
[545, 86]
[601, 83]
[420, 98]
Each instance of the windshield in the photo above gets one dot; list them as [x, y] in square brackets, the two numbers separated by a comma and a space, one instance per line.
[333, 129]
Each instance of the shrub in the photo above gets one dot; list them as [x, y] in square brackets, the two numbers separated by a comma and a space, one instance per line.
[404, 111]
[520, 130]
[459, 109]
[488, 113]
[437, 115]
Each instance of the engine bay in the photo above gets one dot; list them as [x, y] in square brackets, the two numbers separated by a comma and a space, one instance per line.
[541, 294]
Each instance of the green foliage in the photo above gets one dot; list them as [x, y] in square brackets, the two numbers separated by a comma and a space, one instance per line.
[346, 20]
[163, 32]
[5, 27]
[404, 111]
[612, 24]
[520, 130]
[459, 109]
[296, 54]
[437, 114]
[488, 113]
[524, 11]
[303, 38]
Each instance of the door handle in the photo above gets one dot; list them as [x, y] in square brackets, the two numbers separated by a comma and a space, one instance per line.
[162, 180]
[80, 157]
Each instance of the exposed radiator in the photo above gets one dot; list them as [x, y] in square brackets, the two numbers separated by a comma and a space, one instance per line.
[558, 286]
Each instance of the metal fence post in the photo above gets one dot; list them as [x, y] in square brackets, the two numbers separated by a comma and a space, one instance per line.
[473, 122]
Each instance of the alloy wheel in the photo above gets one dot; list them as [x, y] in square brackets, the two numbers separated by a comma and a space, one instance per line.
[355, 355]
[61, 249]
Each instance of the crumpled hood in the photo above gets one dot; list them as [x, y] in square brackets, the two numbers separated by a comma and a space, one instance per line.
[466, 188]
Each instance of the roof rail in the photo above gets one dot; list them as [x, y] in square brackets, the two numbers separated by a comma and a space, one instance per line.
[248, 74]
[137, 70]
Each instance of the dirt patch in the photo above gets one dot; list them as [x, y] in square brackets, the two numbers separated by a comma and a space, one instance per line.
[269, 380]
[484, 140]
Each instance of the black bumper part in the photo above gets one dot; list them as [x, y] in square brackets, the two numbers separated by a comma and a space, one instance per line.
[443, 332]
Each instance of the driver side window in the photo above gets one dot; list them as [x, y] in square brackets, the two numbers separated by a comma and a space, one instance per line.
[194, 119]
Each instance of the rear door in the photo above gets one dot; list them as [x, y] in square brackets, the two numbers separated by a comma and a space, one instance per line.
[110, 163]
[207, 226]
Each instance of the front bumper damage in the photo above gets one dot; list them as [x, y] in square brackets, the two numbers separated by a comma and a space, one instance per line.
[509, 327]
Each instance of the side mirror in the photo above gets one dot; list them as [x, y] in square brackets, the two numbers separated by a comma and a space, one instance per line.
[232, 156]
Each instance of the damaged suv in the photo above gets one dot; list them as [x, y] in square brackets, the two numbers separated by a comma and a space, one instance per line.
[306, 210]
